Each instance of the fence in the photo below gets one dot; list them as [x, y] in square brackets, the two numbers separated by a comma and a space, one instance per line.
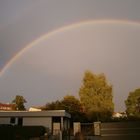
[110, 131]
[120, 131]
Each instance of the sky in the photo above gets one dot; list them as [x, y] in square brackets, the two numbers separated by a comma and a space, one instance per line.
[47, 45]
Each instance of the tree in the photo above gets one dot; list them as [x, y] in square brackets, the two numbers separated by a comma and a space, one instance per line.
[71, 104]
[96, 97]
[56, 105]
[133, 104]
[19, 102]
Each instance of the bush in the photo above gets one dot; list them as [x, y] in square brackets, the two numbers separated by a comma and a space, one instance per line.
[9, 132]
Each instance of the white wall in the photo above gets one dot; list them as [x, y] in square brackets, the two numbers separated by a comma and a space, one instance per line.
[56, 128]
[44, 121]
[4, 120]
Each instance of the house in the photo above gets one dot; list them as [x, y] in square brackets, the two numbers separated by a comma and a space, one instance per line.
[34, 109]
[7, 107]
[119, 115]
[54, 120]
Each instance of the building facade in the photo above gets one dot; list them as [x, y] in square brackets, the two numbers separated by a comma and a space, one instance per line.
[54, 120]
[6, 107]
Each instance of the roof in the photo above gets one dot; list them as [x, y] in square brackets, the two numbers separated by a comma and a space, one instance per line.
[49, 113]
[6, 106]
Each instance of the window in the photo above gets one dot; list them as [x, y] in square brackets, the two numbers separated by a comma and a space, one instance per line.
[12, 120]
[20, 121]
[56, 119]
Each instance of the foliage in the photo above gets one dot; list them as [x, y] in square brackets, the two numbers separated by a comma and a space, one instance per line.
[71, 104]
[53, 106]
[95, 100]
[96, 97]
[10, 132]
[19, 102]
[79, 136]
[133, 104]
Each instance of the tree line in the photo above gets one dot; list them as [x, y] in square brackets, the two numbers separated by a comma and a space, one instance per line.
[95, 102]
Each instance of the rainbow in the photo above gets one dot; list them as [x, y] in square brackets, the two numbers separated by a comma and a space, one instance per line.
[61, 29]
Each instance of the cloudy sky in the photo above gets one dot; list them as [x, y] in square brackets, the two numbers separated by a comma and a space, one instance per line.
[47, 45]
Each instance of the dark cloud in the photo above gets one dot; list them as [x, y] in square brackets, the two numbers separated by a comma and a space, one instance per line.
[21, 22]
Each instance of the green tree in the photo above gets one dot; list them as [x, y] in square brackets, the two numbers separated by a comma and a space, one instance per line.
[96, 97]
[133, 104]
[71, 104]
[56, 105]
[19, 102]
